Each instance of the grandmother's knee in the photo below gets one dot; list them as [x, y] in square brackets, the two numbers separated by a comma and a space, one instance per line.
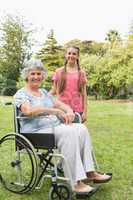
[84, 129]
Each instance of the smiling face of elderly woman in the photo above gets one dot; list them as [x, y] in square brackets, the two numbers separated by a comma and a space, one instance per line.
[34, 72]
[35, 77]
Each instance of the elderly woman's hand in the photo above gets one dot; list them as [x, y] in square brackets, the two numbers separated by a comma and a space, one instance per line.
[62, 115]
[70, 117]
[64, 112]
[67, 117]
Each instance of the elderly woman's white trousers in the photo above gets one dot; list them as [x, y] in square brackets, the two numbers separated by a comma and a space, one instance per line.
[74, 142]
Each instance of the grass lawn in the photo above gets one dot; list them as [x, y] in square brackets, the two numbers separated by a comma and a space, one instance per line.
[111, 127]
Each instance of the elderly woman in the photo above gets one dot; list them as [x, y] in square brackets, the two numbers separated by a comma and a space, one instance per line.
[72, 139]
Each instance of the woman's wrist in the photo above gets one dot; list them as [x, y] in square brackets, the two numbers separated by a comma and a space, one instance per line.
[56, 111]
[59, 112]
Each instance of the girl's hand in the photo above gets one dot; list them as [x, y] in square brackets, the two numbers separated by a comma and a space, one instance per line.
[84, 117]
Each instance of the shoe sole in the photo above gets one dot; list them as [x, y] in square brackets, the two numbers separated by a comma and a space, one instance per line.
[80, 195]
[103, 181]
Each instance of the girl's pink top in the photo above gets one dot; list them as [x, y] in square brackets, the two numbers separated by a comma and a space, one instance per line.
[71, 95]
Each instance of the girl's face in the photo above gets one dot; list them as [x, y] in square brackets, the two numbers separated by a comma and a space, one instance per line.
[35, 77]
[71, 55]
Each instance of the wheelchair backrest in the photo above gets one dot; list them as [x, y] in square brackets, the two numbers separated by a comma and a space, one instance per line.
[16, 120]
[38, 140]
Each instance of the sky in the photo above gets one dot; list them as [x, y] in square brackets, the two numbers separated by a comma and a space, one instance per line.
[73, 19]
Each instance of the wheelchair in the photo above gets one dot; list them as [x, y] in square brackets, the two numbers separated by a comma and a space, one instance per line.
[32, 158]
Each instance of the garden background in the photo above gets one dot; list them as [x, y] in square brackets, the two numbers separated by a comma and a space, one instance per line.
[109, 69]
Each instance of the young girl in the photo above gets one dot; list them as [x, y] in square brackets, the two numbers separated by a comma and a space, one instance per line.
[70, 83]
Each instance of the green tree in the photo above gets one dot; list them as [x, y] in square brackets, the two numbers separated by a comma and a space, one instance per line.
[15, 47]
[113, 37]
[110, 76]
[51, 54]
[87, 46]
[93, 47]
[74, 42]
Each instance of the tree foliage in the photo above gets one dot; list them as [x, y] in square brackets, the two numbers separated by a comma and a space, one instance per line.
[15, 46]
[51, 54]
[108, 64]
[113, 38]
[110, 76]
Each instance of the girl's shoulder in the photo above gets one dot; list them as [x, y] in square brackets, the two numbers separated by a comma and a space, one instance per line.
[60, 69]
[58, 72]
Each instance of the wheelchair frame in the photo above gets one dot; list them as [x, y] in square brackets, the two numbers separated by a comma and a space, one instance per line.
[27, 146]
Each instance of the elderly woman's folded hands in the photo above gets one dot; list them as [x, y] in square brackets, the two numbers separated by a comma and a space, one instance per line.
[66, 117]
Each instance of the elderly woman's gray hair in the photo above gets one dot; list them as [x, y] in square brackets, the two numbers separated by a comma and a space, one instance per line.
[32, 65]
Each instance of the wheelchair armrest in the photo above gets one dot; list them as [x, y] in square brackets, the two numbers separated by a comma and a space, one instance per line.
[77, 118]
[27, 117]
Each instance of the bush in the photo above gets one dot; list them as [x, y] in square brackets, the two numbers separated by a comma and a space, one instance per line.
[8, 87]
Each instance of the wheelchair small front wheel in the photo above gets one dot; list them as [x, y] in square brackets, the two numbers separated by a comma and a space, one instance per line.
[60, 192]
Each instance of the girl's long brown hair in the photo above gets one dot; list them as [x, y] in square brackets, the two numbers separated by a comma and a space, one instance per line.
[62, 82]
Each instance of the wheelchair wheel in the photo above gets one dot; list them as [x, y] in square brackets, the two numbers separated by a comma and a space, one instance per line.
[60, 192]
[18, 164]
